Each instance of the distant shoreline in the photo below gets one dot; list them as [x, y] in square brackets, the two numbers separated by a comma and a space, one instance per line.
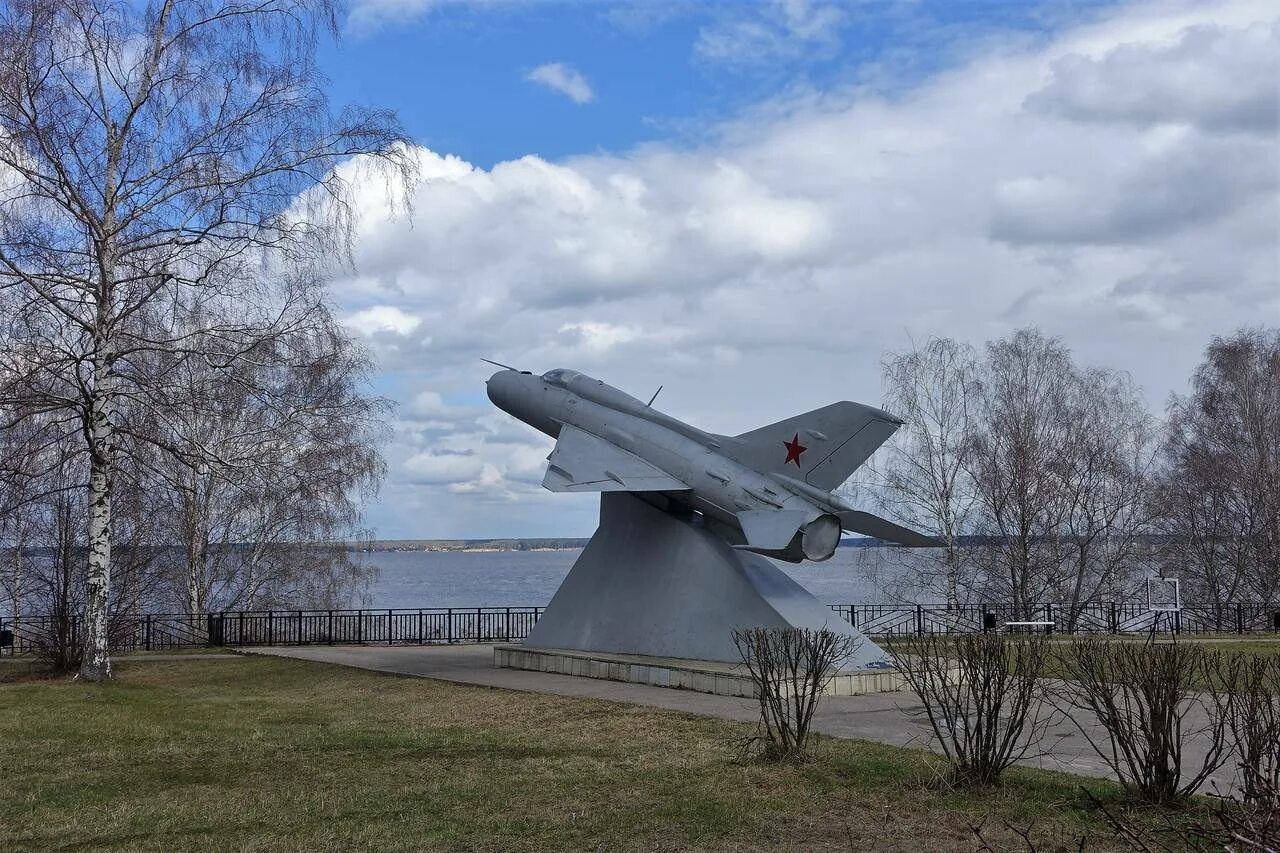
[496, 545]
[480, 545]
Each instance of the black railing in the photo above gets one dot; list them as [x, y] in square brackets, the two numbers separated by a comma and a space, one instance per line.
[1113, 617]
[166, 631]
[442, 625]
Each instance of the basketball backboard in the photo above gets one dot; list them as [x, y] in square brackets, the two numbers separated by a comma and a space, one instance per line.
[1163, 595]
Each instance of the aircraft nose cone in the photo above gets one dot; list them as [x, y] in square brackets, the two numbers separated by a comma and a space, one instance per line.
[521, 396]
[504, 389]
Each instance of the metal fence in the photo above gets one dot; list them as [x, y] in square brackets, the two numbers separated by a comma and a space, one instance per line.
[167, 631]
[1131, 617]
[439, 625]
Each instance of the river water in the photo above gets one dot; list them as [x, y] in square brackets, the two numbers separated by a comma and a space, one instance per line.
[530, 578]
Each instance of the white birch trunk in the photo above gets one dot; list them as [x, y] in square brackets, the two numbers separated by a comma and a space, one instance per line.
[19, 553]
[196, 559]
[96, 662]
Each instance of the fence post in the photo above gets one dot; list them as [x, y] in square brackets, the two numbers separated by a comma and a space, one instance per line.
[477, 624]
[1239, 618]
[146, 633]
[421, 631]
[1048, 617]
[390, 627]
[1115, 620]
[330, 628]
[360, 625]
[271, 628]
[919, 620]
[448, 631]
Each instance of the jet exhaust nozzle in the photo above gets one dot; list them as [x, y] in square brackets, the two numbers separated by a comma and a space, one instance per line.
[820, 538]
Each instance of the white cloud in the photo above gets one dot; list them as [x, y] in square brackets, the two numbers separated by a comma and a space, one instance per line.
[1209, 76]
[434, 468]
[767, 269]
[427, 405]
[750, 34]
[383, 318]
[368, 16]
[559, 77]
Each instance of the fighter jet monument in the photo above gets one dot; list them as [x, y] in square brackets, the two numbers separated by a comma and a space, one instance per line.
[684, 514]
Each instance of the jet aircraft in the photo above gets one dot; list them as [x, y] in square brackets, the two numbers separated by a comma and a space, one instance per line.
[768, 490]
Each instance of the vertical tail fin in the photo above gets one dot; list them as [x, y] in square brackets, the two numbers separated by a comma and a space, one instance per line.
[822, 447]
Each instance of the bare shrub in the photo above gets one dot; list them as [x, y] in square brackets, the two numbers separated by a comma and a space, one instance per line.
[1146, 698]
[790, 668]
[1252, 687]
[1231, 825]
[1251, 825]
[983, 695]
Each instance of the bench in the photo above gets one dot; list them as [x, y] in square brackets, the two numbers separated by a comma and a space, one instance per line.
[1030, 626]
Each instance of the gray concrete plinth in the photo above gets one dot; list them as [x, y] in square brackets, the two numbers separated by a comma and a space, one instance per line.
[649, 583]
[716, 677]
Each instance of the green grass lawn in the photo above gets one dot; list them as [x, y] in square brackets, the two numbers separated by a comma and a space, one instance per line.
[263, 753]
[1056, 665]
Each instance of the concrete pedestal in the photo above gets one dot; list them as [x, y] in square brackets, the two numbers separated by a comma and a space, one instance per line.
[718, 677]
[651, 584]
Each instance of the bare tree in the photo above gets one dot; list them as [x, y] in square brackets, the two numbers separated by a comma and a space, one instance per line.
[984, 697]
[1219, 497]
[1017, 457]
[1106, 483]
[20, 452]
[55, 516]
[923, 478]
[159, 156]
[274, 532]
[790, 669]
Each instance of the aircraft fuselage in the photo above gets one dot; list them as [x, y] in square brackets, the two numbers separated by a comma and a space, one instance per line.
[720, 488]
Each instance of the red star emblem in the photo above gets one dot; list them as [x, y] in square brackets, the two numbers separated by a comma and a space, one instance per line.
[794, 449]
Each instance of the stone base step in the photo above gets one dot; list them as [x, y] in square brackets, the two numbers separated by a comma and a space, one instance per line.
[718, 677]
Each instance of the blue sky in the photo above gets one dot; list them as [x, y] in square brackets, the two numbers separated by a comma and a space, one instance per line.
[752, 203]
[456, 72]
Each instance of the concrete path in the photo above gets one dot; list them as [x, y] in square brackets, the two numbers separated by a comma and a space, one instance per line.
[891, 718]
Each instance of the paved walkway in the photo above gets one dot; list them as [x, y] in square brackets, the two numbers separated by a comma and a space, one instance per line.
[891, 718]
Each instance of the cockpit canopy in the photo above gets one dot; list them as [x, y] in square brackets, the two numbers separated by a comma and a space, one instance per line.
[561, 376]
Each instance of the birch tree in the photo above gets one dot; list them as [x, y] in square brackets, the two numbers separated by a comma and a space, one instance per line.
[1018, 457]
[1106, 484]
[153, 155]
[1219, 495]
[271, 529]
[924, 480]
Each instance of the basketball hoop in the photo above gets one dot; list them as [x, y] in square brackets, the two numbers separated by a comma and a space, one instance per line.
[1163, 595]
[1164, 601]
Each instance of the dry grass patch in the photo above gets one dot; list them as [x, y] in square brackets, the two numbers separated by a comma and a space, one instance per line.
[268, 753]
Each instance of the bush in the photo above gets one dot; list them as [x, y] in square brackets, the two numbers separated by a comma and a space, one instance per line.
[1151, 699]
[983, 696]
[1253, 719]
[790, 668]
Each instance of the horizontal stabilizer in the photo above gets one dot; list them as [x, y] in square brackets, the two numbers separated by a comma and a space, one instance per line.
[770, 529]
[873, 525]
[822, 447]
[581, 462]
